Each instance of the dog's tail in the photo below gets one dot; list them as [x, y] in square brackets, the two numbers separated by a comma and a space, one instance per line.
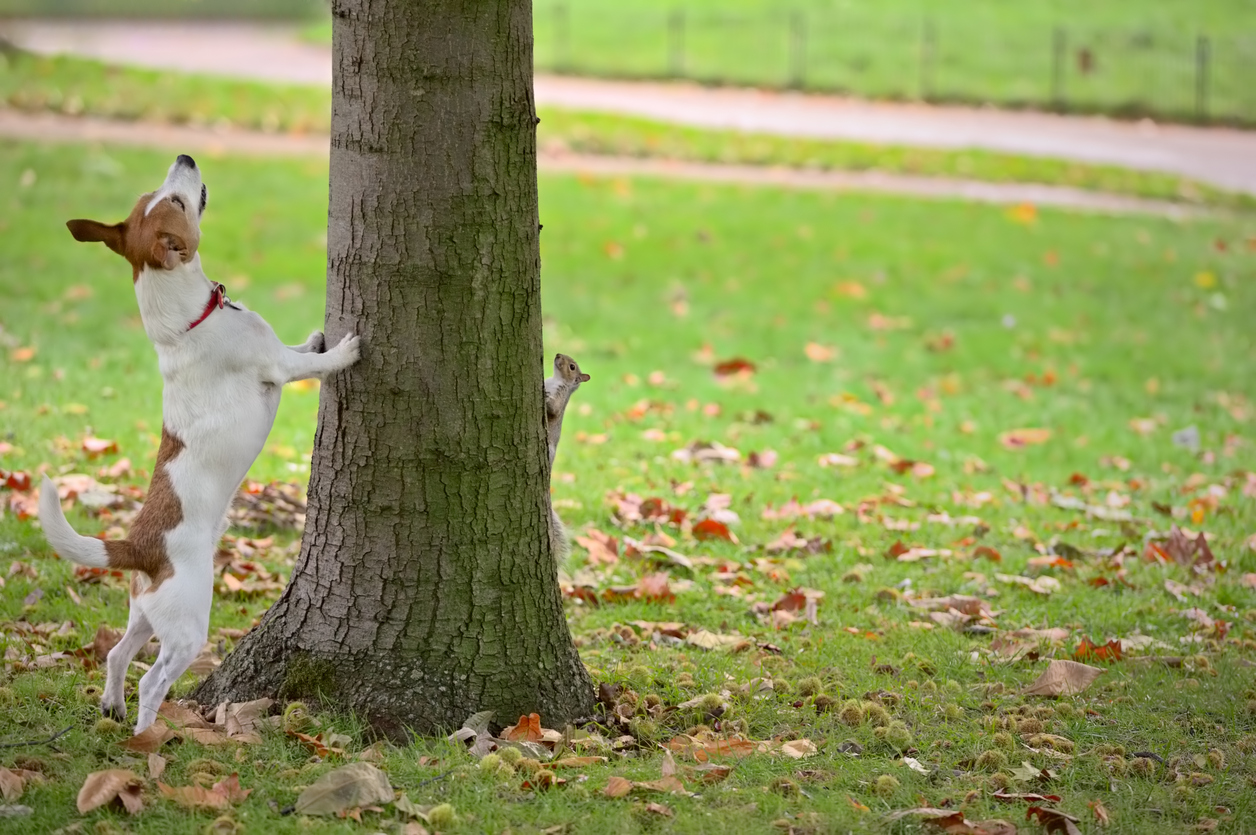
[84, 550]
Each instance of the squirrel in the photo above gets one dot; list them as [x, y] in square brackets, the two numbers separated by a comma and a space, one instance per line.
[558, 390]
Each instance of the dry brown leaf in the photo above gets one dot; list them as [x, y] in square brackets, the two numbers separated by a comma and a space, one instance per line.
[576, 762]
[1063, 678]
[149, 740]
[11, 785]
[194, 797]
[156, 765]
[355, 784]
[103, 787]
[659, 809]
[799, 748]
[617, 786]
[1053, 820]
[181, 716]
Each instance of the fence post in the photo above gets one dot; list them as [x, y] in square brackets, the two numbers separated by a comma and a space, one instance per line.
[928, 52]
[1059, 48]
[676, 44]
[562, 38]
[1203, 60]
[797, 50]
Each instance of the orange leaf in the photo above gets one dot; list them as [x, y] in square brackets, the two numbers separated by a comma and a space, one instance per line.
[712, 529]
[527, 729]
[1021, 438]
[1089, 651]
[820, 353]
[95, 447]
[22, 354]
[987, 552]
[736, 365]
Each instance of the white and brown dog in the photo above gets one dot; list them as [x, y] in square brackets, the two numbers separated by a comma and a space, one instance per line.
[222, 369]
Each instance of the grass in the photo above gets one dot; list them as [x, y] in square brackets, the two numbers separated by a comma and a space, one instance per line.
[79, 86]
[1143, 56]
[945, 325]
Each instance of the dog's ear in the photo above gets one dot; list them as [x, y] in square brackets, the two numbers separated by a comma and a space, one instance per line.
[168, 250]
[92, 231]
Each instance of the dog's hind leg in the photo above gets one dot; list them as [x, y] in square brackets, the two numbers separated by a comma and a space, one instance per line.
[138, 631]
[177, 654]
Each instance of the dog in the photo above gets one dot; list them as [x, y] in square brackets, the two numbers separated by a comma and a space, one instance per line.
[222, 370]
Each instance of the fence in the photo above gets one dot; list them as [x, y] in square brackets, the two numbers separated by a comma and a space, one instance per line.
[1162, 74]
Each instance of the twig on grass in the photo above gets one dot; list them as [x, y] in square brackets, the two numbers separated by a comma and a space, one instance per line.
[52, 738]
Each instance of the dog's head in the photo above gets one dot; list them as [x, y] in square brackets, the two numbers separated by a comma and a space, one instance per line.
[164, 228]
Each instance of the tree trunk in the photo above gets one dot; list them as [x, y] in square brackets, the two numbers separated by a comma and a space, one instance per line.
[426, 588]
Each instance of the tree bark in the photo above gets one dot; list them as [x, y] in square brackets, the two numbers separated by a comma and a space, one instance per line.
[426, 588]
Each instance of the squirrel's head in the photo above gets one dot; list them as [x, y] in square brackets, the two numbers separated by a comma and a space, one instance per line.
[568, 369]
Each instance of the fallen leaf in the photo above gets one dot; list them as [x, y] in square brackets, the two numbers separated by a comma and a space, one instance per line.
[820, 353]
[1087, 650]
[527, 729]
[799, 748]
[711, 640]
[1101, 813]
[1021, 438]
[96, 447]
[156, 765]
[617, 786]
[736, 365]
[149, 740]
[11, 785]
[355, 784]
[1054, 820]
[659, 809]
[1063, 678]
[195, 797]
[103, 787]
[1029, 798]
[712, 529]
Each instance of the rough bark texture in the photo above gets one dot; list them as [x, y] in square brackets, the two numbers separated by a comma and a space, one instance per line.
[426, 589]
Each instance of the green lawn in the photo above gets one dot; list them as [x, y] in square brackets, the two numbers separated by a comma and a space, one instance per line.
[1140, 58]
[1142, 55]
[76, 86]
[937, 327]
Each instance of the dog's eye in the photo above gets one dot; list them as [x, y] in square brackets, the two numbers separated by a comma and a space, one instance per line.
[178, 201]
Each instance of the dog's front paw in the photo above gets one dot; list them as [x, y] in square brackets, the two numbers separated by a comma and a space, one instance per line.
[317, 343]
[113, 711]
[350, 349]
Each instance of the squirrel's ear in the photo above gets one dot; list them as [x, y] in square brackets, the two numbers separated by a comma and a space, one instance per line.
[584, 378]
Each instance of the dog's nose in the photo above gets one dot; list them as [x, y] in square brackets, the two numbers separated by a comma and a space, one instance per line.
[185, 161]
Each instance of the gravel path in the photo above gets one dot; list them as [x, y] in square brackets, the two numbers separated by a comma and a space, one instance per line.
[1224, 157]
[52, 127]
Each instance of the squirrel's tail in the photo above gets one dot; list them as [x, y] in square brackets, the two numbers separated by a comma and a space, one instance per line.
[84, 550]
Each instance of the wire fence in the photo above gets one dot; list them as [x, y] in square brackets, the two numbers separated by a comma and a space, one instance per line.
[1161, 74]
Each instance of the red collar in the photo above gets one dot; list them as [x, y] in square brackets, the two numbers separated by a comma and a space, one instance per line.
[217, 300]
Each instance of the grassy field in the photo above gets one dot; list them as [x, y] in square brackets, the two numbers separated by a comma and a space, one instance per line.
[1125, 58]
[77, 86]
[907, 336]
[1141, 57]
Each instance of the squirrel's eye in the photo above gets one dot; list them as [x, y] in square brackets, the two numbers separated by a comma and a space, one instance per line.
[178, 201]
[571, 368]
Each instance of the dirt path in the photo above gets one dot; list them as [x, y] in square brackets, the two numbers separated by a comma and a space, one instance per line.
[1226, 158]
[51, 127]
